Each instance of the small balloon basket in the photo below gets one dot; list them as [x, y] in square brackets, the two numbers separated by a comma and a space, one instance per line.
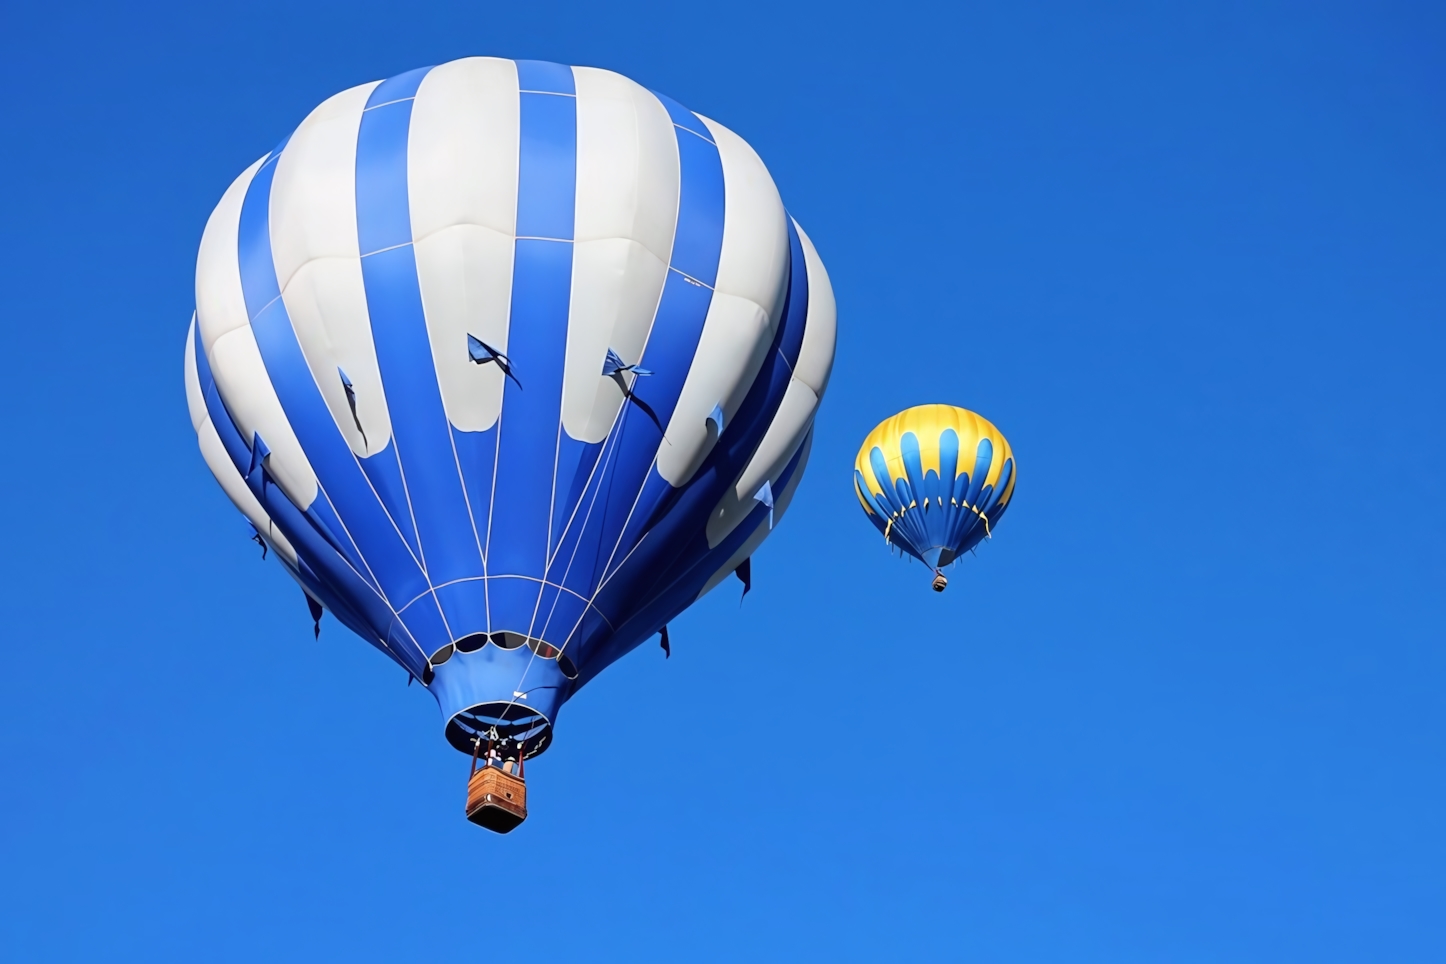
[496, 795]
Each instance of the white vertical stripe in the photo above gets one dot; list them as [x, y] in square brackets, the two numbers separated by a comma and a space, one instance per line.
[220, 304]
[243, 382]
[754, 260]
[318, 265]
[735, 339]
[465, 274]
[235, 488]
[220, 463]
[462, 182]
[230, 347]
[742, 319]
[800, 401]
[313, 194]
[781, 502]
[815, 355]
[195, 399]
[627, 163]
[626, 212]
[462, 149]
[615, 289]
[790, 424]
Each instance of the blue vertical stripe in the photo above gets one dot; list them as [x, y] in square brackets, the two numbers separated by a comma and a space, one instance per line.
[420, 431]
[683, 117]
[543, 76]
[576, 463]
[384, 471]
[796, 305]
[547, 166]
[549, 161]
[628, 495]
[673, 538]
[983, 458]
[913, 467]
[678, 587]
[741, 436]
[377, 539]
[576, 561]
[948, 462]
[333, 580]
[673, 341]
[400, 87]
[477, 456]
[530, 423]
[698, 241]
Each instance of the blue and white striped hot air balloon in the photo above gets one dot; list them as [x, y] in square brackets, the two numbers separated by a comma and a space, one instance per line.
[508, 362]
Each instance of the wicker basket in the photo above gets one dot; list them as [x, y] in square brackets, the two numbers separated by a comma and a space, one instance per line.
[496, 800]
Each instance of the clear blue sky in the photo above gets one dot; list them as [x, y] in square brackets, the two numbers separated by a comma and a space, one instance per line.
[1187, 706]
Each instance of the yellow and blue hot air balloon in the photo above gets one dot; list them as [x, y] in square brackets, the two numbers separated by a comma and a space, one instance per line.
[935, 480]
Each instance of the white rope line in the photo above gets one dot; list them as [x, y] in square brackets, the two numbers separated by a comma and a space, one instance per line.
[375, 583]
[552, 497]
[537, 605]
[407, 493]
[371, 580]
[599, 465]
[492, 497]
[376, 589]
[510, 575]
[491, 501]
[691, 280]
[466, 499]
[694, 133]
[381, 503]
[599, 471]
[591, 602]
[604, 458]
[612, 444]
[388, 103]
[390, 247]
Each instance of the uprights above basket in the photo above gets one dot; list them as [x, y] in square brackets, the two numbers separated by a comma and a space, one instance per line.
[496, 791]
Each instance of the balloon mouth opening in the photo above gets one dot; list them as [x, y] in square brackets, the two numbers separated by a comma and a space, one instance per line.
[503, 640]
[510, 725]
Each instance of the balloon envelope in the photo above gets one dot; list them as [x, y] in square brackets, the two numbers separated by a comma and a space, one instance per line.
[501, 358]
[935, 480]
